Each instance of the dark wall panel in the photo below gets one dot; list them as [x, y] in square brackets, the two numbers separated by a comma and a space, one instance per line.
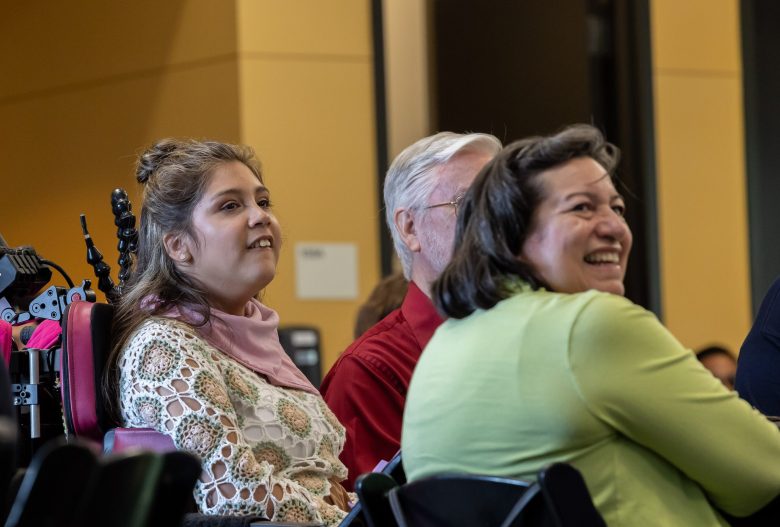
[511, 68]
[523, 67]
[760, 49]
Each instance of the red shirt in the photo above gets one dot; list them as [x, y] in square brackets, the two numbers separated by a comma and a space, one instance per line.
[366, 388]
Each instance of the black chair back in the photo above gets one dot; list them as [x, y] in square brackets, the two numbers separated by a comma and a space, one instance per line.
[8, 464]
[558, 499]
[121, 493]
[372, 489]
[52, 488]
[173, 496]
[466, 500]
[567, 498]
[395, 469]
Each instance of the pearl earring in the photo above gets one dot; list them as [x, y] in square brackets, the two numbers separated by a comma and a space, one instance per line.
[183, 257]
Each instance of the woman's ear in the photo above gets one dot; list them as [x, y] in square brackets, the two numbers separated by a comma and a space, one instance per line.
[404, 223]
[521, 255]
[177, 247]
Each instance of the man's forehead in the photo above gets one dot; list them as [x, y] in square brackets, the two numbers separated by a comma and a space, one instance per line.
[449, 186]
[459, 172]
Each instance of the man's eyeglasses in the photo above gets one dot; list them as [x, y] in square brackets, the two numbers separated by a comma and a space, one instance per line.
[454, 203]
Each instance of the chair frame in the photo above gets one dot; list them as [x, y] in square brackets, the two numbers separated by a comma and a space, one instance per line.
[559, 498]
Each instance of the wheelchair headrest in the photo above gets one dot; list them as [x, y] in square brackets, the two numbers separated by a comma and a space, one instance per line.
[86, 343]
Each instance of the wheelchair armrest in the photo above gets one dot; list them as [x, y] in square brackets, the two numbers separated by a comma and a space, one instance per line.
[119, 439]
[197, 519]
[285, 524]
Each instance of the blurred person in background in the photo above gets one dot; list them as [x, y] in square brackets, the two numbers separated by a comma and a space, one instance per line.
[720, 362]
[758, 366]
[387, 296]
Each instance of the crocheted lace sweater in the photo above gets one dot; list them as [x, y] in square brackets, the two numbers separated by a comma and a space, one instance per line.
[265, 449]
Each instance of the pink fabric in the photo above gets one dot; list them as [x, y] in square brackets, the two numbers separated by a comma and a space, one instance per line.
[379, 467]
[121, 439]
[251, 339]
[45, 335]
[6, 340]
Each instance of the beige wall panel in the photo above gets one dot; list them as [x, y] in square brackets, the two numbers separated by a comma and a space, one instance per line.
[61, 44]
[63, 154]
[93, 87]
[406, 65]
[312, 125]
[335, 27]
[701, 35]
[702, 209]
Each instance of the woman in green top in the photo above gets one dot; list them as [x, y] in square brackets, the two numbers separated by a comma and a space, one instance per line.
[544, 360]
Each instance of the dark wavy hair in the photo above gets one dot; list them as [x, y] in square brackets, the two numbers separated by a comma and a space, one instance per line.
[496, 215]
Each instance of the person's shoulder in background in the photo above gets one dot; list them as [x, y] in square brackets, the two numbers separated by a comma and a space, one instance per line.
[387, 296]
[758, 365]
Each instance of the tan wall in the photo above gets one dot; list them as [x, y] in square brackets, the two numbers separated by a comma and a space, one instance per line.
[705, 282]
[84, 90]
[306, 93]
[406, 70]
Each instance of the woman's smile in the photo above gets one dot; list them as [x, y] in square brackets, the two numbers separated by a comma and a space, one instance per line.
[579, 239]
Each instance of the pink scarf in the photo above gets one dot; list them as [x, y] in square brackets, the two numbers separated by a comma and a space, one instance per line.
[251, 339]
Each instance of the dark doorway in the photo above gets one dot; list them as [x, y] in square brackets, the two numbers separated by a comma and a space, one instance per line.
[761, 82]
[518, 68]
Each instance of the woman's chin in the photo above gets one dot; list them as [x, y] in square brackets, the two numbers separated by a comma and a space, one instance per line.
[616, 288]
[264, 281]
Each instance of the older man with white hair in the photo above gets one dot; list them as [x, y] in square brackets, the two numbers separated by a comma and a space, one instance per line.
[366, 388]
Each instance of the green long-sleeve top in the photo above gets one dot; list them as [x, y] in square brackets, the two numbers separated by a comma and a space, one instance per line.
[594, 380]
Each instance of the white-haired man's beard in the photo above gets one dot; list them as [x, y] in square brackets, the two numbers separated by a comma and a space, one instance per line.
[438, 252]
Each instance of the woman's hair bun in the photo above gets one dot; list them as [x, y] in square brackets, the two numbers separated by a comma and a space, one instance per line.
[154, 157]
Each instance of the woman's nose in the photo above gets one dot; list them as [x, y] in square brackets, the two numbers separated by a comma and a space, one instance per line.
[258, 216]
[612, 224]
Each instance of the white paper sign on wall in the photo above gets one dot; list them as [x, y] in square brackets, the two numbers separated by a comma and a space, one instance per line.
[326, 271]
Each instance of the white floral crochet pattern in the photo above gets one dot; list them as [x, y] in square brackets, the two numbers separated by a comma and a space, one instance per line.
[266, 450]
